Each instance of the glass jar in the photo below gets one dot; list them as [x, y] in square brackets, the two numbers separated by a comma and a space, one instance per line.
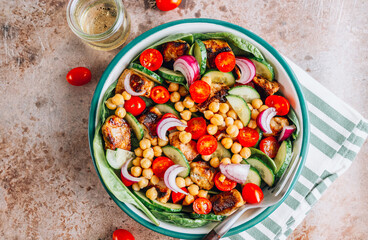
[102, 24]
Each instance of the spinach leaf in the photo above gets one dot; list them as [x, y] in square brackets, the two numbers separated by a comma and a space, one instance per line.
[179, 219]
[292, 116]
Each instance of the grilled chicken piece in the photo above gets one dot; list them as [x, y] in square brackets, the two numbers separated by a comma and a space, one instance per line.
[269, 87]
[189, 149]
[202, 174]
[173, 50]
[213, 48]
[226, 203]
[218, 94]
[277, 123]
[116, 133]
[138, 82]
[237, 72]
[149, 119]
[163, 192]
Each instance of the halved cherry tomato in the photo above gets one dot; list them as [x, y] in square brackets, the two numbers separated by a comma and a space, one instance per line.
[202, 206]
[170, 115]
[177, 196]
[280, 103]
[225, 61]
[135, 105]
[160, 94]
[199, 91]
[269, 146]
[226, 185]
[151, 59]
[167, 5]
[252, 193]
[122, 234]
[160, 165]
[197, 127]
[248, 137]
[79, 76]
[126, 182]
[206, 145]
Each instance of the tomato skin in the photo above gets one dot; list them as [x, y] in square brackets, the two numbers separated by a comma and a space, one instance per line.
[199, 91]
[170, 115]
[122, 234]
[135, 105]
[202, 206]
[160, 165]
[281, 104]
[269, 146]
[79, 76]
[252, 193]
[226, 185]
[167, 5]
[176, 197]
[126, 181]
[206, 145]
[248, 137]
[197, 127]
[225, 61]
[160, 94]
[151, 59]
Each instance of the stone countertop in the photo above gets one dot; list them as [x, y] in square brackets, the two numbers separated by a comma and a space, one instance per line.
[48, 185]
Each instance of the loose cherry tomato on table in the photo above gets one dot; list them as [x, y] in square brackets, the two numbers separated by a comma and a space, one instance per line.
[206, 145]
[269, 146]
[122, 234]
[252, 193]
[197, 127]
[126, 182]
[170, 115]
[280, 103]
[160, 94]
[226, 185]
[160, 165]
[135, 105]
[177, 196]
[167, 5]
[248, 137]
[225, 61]
[199, 91]
[151, 59]
[202, 206]
[79, 76]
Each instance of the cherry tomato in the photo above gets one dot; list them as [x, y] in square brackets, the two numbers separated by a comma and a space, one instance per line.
[202, 206]
[151, 59]
[79, 76]
[167, 5]
[225, 61]
[199, 91]
[248, 137]
[176, 197]
[269, 146]
[197, 127]
[280, 103]
[160, 165]
[126, 182]
[252, 193]
[122, 234]
[135, 105]
[170, 115]
[206, 145]
[160, 94]
[226, 185]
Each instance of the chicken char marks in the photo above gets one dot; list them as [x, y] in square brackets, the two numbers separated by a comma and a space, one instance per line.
[226, 203]
[202, 174]
[173, 50]
[138, 82]
[116, 133]
[214, 47]
[218, 94]
[150, 119]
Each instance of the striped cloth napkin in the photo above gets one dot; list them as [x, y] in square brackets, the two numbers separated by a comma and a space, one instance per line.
[337, 134]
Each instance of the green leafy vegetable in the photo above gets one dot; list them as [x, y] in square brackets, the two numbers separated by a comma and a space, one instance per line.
[105, 112]
[179, 219]
[292, 116]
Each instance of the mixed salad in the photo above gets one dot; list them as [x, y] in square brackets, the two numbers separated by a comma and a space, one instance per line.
[194, 128]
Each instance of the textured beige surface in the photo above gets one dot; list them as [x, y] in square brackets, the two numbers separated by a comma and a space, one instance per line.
[48, 185]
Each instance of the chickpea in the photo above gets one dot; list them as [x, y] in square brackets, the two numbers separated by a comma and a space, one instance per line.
[157, 151]
[154, 141]
[207, 79]
[180, 182]
[236, 158]
[215, 162]
[193, 189]
[136, 171]
[232, 114]
[206, 157]
[143, 183]
[148, 153]
[183, 91]
[175, 97]
[138, 152]
[179, 106]
[147, 173]
[189, 199]
[236, 147]
[145, 143]
[126, 96]
[110, 105]
[137, 161]
[151, 193]
[245, 153]
[225, 161]
[146, 163]
[262, 108]
[154, 180]
[120, 112]
[217, 119]
[257, 103]
[231, 129]
[188, 102]
[188, 181]
[208, 114]
[136, 187]
[238, 124]
[173, 87]
[214, 107]
[202, 193]
[222, 178]
[229, 121]
[252, 124]
[250, 106]
[162, 142]
[186, 115]
[118, 99]
[182, 128]
[185, 137]
[234, 134]
[193, 109]
[212, 129]
[224, 107]
[227, 142]
[255, 114]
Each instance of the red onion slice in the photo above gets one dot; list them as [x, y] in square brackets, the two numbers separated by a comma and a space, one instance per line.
[166, 123]
[129, 89]
[189, 67]
[247, 69]
[126, 174]
[264, 119]
[235, 172]
[170, 178]
[286, 132]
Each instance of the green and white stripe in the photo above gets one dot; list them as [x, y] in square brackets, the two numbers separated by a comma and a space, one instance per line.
[337, 134]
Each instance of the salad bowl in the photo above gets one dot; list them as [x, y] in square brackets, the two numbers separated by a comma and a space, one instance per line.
[290, 88]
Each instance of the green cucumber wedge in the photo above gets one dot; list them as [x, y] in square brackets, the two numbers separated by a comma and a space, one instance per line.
[171, 76]
[221, 77]
[142, 197]
[200, 53]
[167, 207]
[263, 68]
[116, 158]
[254, 177]
[178, 158]
[264, 170]
[283, 158]
[166, 108]
[246, 92]
[147, 73]
[210, 217]
[266, 159]
[241, 108]
[221, 152]
[260, 133]
[191, 50]
[135, 125]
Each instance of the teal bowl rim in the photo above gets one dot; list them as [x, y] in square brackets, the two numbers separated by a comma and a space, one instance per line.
[305, 143]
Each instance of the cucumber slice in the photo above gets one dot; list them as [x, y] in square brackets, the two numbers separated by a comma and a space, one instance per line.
[147, 73]
[171, 76]
[191, 50]
[263, 68]
[117, 158]
[241, 108]
[260, 137]
[213, 192]
[264, 170]
[165, 108]
[135, 125]
[200, 53]
[221, 152]
[210, 217]
[178, 158]
[283, 158]
[221, 77]
[266, 159]
[254, 177]
[167, 207]
[149, 102]
[246, 92]
[142, 197]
